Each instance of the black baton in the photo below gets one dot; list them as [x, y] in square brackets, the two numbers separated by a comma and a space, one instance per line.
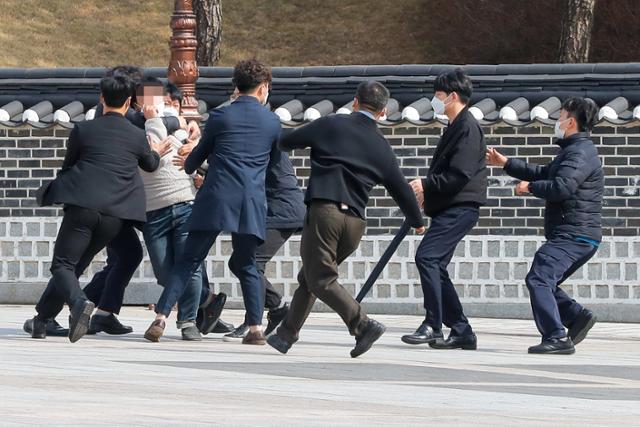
[384, 259]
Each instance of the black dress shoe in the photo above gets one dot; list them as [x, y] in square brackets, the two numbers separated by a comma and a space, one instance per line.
[279, 344]
[370, 334]
[465, 342]
[108, 324]
[211, 313]
[79, 319]
[53, 328]
[274, 317]
[581, 326]
[223, 327]
[554, 346]
[425, 334]
[38, 328]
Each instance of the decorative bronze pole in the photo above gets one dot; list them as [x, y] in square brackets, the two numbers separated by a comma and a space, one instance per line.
[183, 68]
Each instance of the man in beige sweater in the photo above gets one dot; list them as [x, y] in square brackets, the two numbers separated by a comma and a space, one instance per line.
[169, 196]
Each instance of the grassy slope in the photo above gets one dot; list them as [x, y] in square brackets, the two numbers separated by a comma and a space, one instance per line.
[52, 33]
[46, 33]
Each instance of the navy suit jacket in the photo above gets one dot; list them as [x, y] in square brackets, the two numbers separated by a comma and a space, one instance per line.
[237, 142]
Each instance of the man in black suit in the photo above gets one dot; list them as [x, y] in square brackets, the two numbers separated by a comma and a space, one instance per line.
[101, 189]
[452, 192]
[349, 155]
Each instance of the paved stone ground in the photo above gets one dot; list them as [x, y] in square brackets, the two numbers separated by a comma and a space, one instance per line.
[113, 381]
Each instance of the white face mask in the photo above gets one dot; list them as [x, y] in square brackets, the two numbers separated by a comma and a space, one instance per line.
[438, 105]
[266, 98]
[170, 111]
[557, 132]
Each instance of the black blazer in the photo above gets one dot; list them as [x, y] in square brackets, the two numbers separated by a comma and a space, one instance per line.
[349, 155]
[100, 169]
[457, 172]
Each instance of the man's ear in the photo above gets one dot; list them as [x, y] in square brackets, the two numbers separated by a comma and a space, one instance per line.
[356, 104]
[127, 103]
[382, 113]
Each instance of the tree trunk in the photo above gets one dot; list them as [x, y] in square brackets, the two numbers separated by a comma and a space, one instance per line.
[575, 37]
[208, 30]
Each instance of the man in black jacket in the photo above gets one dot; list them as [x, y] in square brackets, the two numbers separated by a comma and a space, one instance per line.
[349, 155]
[452, 193]
[572, 186]
[124, 252]
[101, 189]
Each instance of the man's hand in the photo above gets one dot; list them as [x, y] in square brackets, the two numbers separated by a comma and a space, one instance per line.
[162, 148]
[416, 186]
[494, 158]
[198, 180]
[149, 111]
[193, 128]
[187, 148]
[183, 122]
[522, 188]
[179, 160]
[421, 230]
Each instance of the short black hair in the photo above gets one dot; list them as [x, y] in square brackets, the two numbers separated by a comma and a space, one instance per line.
[584, 110]
[373, 95]
[133, 72]
[455, 81]
[173, 91]
[250, 73]
[115, 90]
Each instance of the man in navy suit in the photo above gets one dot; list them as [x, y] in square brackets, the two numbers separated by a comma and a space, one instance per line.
[237, 142]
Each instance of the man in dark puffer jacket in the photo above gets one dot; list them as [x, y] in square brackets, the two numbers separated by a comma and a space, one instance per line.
[573, 186]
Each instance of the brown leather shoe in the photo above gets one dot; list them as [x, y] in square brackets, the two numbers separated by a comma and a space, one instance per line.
[254, 338]
[155, 331]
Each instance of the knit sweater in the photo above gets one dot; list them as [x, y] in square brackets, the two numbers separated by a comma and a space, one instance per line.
[168, 185]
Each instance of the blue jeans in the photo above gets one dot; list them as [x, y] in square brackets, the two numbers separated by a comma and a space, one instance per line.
[242, 264]
[554, 263]
[165, 235]
[432, 258]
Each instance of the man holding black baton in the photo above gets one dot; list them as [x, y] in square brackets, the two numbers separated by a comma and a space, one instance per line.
[452, 193]
[349, 155]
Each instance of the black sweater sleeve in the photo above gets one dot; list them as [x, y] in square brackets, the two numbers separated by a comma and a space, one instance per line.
[402, 193]
[171, 123]
[300, 138]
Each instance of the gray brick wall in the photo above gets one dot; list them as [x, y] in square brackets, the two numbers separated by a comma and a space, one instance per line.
[488, 269]
[30, 156]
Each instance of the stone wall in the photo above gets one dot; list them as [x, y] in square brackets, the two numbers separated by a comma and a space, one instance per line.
[488, 269]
